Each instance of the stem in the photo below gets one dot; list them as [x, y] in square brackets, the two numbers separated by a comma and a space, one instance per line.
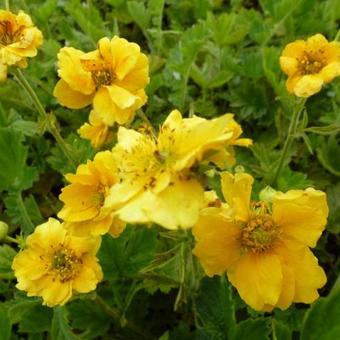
[11, 239]
[116, 318]
[7, 5]
[27, 219]
[51, 124]
[290, 137]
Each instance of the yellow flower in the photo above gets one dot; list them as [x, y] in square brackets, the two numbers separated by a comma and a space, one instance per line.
[112, 77]
[55, 265]
[310, 64]
[19, 39]
[96, 131]
[264, 248]
[84, 213]
[156, 172]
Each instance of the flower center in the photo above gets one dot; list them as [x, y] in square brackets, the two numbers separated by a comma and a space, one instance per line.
[102, 77]
[99, 195]
[259, 234]
[7, 36]
[310, 65]
[101, 71]
[65, 264]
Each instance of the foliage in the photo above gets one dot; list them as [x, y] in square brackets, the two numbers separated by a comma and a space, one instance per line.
[208, 58]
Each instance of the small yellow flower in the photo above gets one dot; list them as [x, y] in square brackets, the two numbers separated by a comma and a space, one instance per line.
[84, 213]
[310, 64]
[112, 77]
[55, 265]
[156, 172]
[96, 131]
[19, 39]
[264, 248]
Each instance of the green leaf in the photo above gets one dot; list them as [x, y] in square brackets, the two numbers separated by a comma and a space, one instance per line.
[89, 317]
[6, 257]
[36, 320]
[61, 329]
[215, 309]
[324, 130]
[5, 324]
[322, 319]
[129, 253]
[23, 212]
[20, 305]
[252, 329]
[280, 330]
[328, 155]
[15, 175]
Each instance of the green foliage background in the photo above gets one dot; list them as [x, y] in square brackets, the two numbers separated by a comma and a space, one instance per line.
[207, 57]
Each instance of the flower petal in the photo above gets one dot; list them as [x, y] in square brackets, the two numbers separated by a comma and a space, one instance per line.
[69, 97]
[217, 245]
[301, 214]
[308, 85]
[258, 279]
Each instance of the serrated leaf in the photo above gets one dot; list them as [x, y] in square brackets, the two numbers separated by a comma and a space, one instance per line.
[215, 309]
[89, 317]
[36, 320]
[61, 330]
[20, 305]
[6, 257]
[322, 319]
[23, 212]
[333, 198]
[328, 155]
[324, 130]
[127, 254]
[15, 175]
[252, 329]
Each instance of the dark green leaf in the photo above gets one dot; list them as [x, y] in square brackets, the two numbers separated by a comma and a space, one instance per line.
[61, 329]
[6, 257]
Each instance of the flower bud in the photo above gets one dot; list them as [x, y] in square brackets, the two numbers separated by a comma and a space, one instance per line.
[3, 230]
[267, 194]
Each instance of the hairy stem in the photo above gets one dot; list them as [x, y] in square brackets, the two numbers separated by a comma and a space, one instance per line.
[290, 138]
[19, 76]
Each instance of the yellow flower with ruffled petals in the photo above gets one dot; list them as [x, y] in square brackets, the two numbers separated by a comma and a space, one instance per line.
[56, 265]
[157, 182]
[310, 64]
[264, 248]
[95, 131]
[19, 39]
[112, 77]
[84, 213]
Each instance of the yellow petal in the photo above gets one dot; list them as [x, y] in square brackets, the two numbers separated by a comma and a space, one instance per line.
[236, 190]
[316, 42]
[295, 49]
[217, 245]
[258, 279]
[309, 276]
[301, 214]
[69, 97]
[289, 65]
[329, 72]
[308, 85]
[72, 72]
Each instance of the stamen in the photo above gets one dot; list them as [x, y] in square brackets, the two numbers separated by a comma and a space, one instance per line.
[259, 234]
[310, 64]
[65, 264]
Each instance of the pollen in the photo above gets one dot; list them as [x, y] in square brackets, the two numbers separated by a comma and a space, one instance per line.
[102, 77]
[259, 233]
[310, 64]
[65, 264]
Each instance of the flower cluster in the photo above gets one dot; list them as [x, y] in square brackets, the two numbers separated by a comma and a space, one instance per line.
[112, 78]
[19, 39]
[158, 177]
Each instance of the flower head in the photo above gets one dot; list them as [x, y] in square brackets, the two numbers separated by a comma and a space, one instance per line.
[96, 131]
[310, 64]
[157, 172]
[19, 39]
[112, 77]
[264, 248]
[55, 265]
[84, 213]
